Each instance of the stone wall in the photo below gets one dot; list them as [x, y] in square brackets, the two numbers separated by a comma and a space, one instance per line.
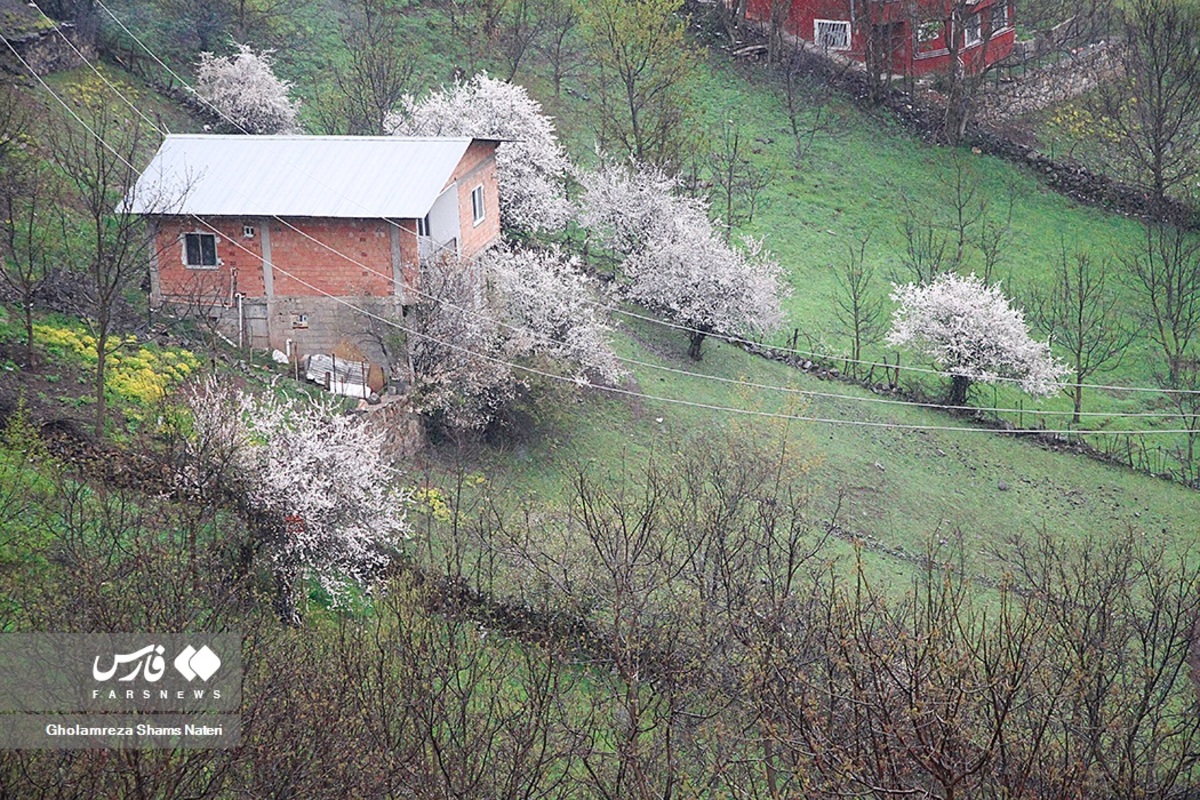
[45, 51]
[1071, 77]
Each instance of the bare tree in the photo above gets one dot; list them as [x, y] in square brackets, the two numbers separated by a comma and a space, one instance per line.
[28, 237]
[1151, 114]
[737, 182]
[1164, 274]
[925, 245]
[560, 20]
[961, 231]
[804, 89]
[857, 307]
[1080, 313]
[378, 70]
[518, 30]
[113, 245]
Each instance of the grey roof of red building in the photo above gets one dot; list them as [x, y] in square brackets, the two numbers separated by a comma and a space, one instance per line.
[297, 176]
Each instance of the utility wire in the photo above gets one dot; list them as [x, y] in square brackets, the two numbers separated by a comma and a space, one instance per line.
[552, 376]
[677, 326]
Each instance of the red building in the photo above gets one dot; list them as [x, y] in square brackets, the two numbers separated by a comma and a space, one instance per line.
[283, 241]
[906, 37]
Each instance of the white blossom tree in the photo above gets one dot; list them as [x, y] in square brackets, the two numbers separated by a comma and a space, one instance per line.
[628, 205]
[971, 331]
[532, 166]
[313, 486]
[460, 377]
[547, 308]
[244, 92]
[674, 262]
[511, 305]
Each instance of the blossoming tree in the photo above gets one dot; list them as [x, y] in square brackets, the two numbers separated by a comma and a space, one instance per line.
[971, 331]
[674, 261]
[512, 305]
[244, 92]
[313, 486]
[532, 166]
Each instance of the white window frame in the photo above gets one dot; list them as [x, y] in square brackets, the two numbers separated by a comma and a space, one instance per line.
[929, 32]
[1003, 6]
[478, 210]
[973, 30]
[825, 39]
[200, 248]
[423, 225]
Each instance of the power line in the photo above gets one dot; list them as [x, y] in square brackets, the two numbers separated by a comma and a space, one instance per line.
[552, 376]
[685, 328]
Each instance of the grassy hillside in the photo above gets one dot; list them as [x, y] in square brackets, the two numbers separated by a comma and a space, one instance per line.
[901, 486]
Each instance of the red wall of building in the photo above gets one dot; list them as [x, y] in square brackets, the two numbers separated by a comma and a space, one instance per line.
[341, 257]
[910, 57]
[239, 261]
[477, 168]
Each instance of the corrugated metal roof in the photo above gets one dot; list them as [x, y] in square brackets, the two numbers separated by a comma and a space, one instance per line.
[298, 176]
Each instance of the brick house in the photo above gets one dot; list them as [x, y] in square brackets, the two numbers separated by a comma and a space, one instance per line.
[274, 238]
[907, 37]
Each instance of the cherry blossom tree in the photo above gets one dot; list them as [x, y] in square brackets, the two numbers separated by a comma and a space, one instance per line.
[532, 166]
[674, 261]
[243, 90]
[546, 305]
[312, 485]
[706, 285]
[511, 305]
[971, 331]
[460, 379]
[628, 205]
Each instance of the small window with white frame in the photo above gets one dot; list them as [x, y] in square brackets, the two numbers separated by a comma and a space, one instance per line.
[423, 224]
[200, 250]
[973, 30]
[247, 231]
[831, 34]
[477, 209]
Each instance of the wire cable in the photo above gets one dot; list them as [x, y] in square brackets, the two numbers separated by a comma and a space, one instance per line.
[608, 389]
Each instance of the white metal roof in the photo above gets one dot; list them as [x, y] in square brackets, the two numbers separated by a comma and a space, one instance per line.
[301, 176]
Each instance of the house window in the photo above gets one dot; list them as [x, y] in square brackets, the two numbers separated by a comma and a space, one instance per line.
[1000, 15]
[477, 204]
[831, 34]
[248, 231]
[973, 31]
[200, 249]
[423, 222]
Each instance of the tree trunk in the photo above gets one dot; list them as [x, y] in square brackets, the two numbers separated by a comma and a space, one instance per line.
[101, 358]
[285, 596]
[27, 306]
[959, 384]
[695, 342]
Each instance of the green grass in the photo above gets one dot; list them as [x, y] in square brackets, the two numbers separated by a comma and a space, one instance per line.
[904, 489]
